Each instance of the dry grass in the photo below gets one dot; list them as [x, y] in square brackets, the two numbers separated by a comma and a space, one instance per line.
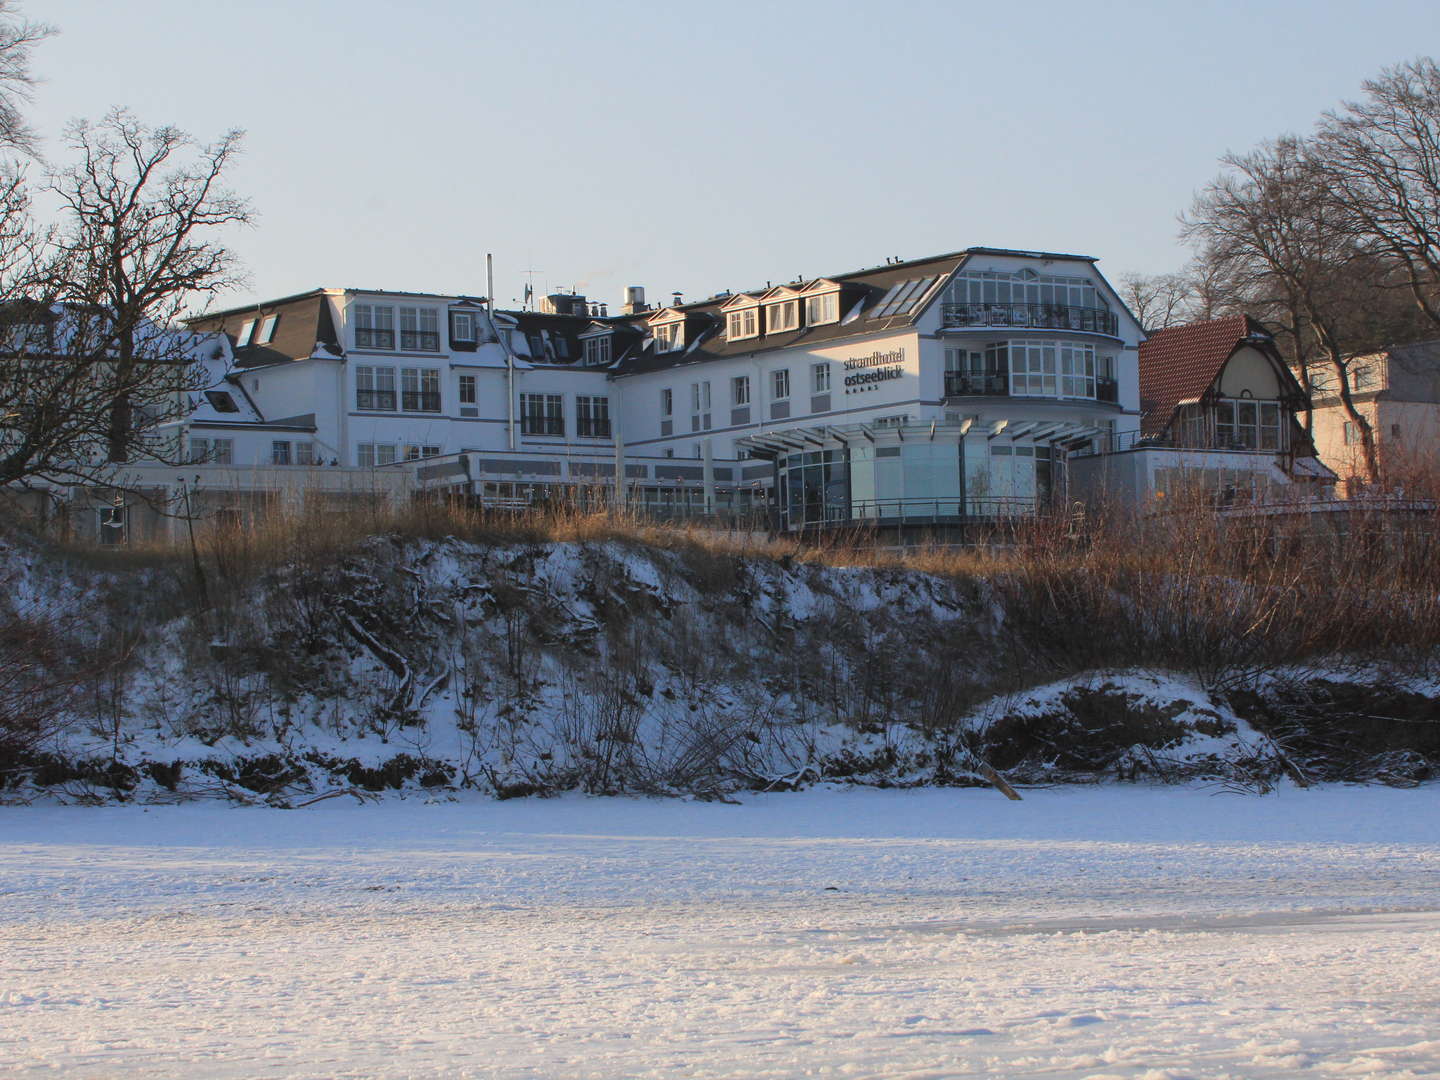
[1226, 596]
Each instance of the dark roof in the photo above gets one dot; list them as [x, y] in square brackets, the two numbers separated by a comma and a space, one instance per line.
[304, 322]
[860, 295]
[1181, 363]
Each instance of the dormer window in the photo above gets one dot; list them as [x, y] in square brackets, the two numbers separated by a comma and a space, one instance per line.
[782, 317]
[822, 309]
[669, 337]
[597, 351]
[462, 326]
[744, 323]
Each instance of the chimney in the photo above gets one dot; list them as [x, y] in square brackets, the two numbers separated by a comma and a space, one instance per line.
[634, 300]
[678, 298]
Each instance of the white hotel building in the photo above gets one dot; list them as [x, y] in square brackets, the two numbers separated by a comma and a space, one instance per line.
[947, 389]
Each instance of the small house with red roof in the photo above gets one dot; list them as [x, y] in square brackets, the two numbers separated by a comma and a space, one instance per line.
[1220, 413]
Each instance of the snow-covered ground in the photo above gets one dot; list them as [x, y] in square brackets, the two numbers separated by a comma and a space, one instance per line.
[1136, 932]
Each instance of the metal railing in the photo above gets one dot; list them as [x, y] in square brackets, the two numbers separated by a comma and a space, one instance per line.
[421, 401]
[967, 384]
[587, 427]
[1032, 317]
[369, 338]
[375, 400]
[542, 425]
[420, 340]
[913, 512]
[996, 384]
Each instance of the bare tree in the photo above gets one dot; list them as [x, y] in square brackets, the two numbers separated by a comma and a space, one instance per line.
[18, 36]
[1270, 225]
[1381, 160]
[1158, 301]
[91, 359]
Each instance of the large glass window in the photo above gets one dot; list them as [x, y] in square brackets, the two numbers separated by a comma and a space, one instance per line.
[419, 329]
[374, 326]
[592, 417]
[542, 414]
[375, 388]
[1243, 424]
[420, 390]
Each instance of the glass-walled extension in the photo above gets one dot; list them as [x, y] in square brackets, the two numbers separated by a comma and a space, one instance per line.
[917, 474]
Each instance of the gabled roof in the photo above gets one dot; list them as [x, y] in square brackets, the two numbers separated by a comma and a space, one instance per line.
[1180, 364]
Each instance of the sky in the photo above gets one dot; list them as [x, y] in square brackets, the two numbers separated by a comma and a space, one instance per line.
[705, 147]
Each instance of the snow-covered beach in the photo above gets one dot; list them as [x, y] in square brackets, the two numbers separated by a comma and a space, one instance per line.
[1085, 932]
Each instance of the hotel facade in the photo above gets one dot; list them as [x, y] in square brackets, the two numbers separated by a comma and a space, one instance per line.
[961, 387]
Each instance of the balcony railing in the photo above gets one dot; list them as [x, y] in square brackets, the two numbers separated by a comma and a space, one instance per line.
[375, 400]
[991, 384]
[591, 427]
[1032, 317]
[912, 512]
[965, 384]
[421, 400]
[542, 425]
[420, 340]
[368, 338]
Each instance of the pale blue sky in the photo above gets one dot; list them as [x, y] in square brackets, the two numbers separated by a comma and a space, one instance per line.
[715, 146]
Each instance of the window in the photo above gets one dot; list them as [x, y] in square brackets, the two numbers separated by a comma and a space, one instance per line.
[1366, 378]
[212, 451]
[667, 402]
[1352, 433]
[592, 417]
[1245, 424]
[740, 390]
[597, 351]
[1077, 370]
[782, 317]
[1033, 368]
[279, 452]
[373, 454]
[780, 384]
[247, 331]
[742, 324]
[374, 327]
[542, 414]
[419, 329]
[820, 378]
[304, 453]
[821, 309]
[467, 389]
[669, 452]
[670, 337]
[462, 326]
[700, 406]
[375, 388]
[267, 329]
[902, 298]
[221, 401]
[420, 390]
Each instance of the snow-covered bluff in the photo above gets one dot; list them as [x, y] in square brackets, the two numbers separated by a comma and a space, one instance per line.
[519, 669]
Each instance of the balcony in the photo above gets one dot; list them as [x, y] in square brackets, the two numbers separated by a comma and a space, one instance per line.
[1031, 317]
[420, 340]
[370, 338]
[971, 384]
[966, 384]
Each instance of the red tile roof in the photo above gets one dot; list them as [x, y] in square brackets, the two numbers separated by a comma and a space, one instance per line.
[1180, 363]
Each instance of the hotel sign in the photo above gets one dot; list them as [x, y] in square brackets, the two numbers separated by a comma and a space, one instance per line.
[878, 367]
